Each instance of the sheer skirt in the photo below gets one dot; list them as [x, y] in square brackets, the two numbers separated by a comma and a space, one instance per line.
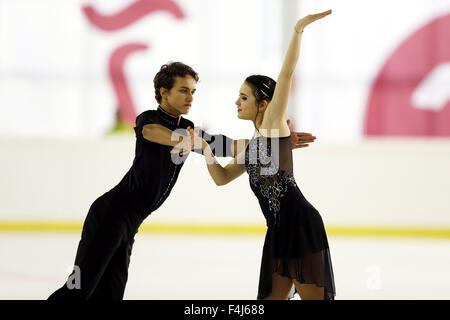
[314, 268]
[297, 248]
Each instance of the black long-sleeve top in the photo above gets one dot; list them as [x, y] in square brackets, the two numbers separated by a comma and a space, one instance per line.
[155, 170]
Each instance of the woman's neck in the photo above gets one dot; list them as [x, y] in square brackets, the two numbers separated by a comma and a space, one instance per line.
[258, 121]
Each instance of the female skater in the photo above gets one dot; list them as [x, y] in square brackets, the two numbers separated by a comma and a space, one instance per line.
[296, 248]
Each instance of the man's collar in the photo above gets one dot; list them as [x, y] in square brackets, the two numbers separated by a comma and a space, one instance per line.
[169, 118]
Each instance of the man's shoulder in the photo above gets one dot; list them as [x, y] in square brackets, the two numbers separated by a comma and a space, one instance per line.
[147, 114]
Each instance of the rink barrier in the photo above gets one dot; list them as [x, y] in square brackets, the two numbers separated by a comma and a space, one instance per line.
[227, 229]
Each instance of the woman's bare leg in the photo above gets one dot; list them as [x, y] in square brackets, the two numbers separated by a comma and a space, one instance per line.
[309, 291]
[281, 286]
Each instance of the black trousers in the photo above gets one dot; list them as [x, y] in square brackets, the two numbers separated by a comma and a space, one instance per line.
[102, 259]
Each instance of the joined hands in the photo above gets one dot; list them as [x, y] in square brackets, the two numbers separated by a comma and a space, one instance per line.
[193, 141]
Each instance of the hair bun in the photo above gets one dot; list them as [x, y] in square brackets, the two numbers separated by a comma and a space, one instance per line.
[263, 86]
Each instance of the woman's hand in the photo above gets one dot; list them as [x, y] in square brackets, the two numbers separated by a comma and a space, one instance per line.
[303, 22]
[196, 141]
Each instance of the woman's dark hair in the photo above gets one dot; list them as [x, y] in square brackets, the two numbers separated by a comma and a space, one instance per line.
[263, 88]
[165, 78]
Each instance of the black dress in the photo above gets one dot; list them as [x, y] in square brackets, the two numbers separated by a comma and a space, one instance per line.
[296, 244]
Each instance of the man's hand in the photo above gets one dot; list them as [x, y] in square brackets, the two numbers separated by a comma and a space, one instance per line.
[300, 139]
[186, 144]
[190, 142]
[196, 139]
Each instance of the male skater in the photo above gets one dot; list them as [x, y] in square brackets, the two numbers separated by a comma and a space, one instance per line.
[107, 238]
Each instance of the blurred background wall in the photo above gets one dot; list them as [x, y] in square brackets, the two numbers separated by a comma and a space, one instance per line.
[372, 83]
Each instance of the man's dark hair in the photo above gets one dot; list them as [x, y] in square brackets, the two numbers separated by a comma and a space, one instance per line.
[165, 78]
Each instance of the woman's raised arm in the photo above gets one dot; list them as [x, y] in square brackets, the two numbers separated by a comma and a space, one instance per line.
[276, 110]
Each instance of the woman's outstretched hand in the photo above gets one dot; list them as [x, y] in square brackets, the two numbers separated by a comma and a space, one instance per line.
[303, 22]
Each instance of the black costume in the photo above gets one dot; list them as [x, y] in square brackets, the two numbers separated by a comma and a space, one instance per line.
[113, 219]
[296, 244]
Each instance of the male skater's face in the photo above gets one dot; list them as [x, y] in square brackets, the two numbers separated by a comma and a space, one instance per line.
[178, 100]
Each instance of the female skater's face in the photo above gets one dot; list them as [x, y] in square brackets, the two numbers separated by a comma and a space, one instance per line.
[246, 103]
[178, 100]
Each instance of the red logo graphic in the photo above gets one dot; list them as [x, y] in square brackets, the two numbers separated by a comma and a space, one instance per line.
[411, 94]
[132, 13]
[135, 11]
[126, 110]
